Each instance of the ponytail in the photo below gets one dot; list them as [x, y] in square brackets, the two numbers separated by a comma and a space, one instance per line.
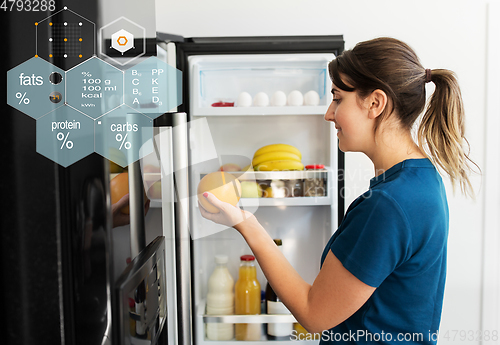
[441, 131]
[392, 66]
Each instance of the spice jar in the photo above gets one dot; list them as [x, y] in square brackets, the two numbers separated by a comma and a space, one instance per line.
[314, 184]
[295, 188]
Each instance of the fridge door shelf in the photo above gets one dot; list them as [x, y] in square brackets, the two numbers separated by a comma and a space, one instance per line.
[261, 318]
[203, 318]
[147, 270]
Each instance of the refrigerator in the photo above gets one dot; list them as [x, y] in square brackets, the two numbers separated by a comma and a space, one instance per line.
[220, 130]
[65, 279]
[60, 282]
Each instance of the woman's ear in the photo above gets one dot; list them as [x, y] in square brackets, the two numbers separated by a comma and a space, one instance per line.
[377, 102]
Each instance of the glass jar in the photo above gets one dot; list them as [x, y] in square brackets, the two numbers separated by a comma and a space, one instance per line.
[295, 188]
[247, 299]
[315, 185]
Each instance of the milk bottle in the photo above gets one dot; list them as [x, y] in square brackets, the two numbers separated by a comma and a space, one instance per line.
[220, 300]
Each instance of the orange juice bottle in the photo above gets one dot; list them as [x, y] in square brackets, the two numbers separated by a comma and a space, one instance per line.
[247, 299]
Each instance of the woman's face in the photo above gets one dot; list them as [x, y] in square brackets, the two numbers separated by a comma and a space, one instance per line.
[350, 115]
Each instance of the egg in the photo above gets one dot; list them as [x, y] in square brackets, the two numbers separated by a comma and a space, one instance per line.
[244, 100]
[311, 98]
[295, 98]
[261, 100]
[278, 99]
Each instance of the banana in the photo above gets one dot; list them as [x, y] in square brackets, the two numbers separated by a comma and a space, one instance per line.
[279, 165]
[278, 148]
[274, 156]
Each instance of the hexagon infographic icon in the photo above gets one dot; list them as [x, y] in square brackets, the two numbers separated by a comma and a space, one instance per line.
[123, 135]
[65, 38]
[65, 135]
[35, 87]
[93, 106]
[122, 41]
[94, 87]
[153, 87]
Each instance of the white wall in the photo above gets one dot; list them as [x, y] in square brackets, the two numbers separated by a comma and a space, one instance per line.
[444, 33]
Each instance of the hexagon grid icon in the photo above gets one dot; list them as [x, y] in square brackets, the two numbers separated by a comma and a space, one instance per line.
[65, 135]
[95, 87]
[122, 41]
[65, 38]
[123, 135]
[35, 87]
[153, 87]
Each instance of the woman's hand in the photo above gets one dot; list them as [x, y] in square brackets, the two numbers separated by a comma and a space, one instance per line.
[229, 215]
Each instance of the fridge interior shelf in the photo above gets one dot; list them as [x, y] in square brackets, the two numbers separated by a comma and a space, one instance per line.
[260, 176]
[279, 175]
[270, 110]
[297, 201]
[289, 188]
[224, 78]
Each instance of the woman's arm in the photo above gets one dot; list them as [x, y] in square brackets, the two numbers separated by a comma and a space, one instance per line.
[335, 294]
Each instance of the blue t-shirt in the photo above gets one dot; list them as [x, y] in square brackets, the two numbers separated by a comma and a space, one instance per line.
[393, 237]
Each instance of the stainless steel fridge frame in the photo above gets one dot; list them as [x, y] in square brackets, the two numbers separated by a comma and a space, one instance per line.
[178, 50]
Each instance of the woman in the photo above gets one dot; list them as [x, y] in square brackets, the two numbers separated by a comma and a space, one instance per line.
[383, 271]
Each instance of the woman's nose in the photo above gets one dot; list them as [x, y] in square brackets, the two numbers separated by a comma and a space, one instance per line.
[330, 113]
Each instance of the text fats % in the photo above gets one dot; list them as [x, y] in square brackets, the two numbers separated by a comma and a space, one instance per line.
[68, 143]
[121, 139]
[23, 98]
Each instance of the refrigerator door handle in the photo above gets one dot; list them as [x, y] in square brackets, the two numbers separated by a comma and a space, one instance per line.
[137, 221]
[183, 239]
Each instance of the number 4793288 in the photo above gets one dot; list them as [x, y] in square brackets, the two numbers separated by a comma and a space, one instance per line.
[28, 5]
[470, 335]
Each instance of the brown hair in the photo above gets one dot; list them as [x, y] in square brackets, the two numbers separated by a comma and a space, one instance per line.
[392, 66]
